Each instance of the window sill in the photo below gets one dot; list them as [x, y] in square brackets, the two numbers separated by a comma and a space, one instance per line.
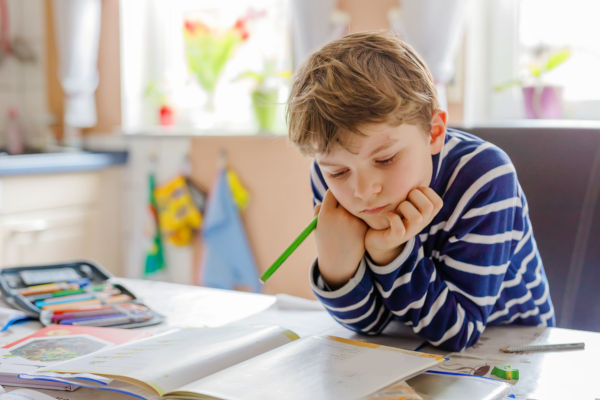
[537, 123]
[175, 131]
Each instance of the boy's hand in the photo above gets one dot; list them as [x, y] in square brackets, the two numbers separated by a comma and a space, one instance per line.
[340, 241]
[410, 217]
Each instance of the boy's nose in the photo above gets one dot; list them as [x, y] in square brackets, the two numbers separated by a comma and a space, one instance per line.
[366, 187]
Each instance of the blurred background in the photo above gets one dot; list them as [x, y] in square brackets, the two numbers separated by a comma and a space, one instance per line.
[106, 104]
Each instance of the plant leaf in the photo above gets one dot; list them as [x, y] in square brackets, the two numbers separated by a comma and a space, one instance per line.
[556, 59]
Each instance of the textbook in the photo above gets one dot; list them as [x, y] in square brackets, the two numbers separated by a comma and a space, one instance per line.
[54, 344]
[247, 362]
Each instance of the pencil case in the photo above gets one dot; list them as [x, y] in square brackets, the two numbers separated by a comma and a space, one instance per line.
[74, 293]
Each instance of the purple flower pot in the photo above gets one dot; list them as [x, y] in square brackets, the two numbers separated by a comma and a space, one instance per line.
[543, 102]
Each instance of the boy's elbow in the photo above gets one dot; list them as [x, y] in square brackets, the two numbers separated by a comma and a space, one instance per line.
[459, 342]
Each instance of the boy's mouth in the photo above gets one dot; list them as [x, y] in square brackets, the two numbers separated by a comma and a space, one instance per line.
[373, 211]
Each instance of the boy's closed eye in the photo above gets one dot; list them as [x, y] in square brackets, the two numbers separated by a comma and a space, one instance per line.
[386, 161]
[379, 162]
[338, 174]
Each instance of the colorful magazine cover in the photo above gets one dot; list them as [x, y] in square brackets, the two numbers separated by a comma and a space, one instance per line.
[56, 343]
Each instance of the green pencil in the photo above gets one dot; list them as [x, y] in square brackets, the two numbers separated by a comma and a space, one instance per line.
[287, 252]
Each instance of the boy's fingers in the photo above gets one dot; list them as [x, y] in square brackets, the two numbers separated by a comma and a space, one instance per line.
[435, 199]
[397, 228]
[329, 201]
[421, 202]
[410, 213]
[317, 209]
[390, 237]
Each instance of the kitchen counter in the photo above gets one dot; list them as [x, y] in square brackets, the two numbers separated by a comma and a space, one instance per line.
[45, 163]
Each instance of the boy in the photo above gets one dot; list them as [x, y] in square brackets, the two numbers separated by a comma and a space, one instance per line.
[417, 222]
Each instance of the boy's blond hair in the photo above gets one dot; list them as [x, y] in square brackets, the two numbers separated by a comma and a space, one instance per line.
[366, 77]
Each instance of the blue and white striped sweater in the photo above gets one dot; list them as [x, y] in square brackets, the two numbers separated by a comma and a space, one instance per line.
[476, 264]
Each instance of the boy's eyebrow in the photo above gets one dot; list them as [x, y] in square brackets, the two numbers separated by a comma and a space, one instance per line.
[382, 147]
[326, 164]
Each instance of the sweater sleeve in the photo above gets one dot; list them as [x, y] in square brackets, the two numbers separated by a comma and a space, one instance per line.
[357, 305]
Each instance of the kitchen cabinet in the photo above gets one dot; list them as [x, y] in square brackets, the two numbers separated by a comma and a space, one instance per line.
[59, 217]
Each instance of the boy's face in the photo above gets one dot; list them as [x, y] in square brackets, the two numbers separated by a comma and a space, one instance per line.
[373, 174]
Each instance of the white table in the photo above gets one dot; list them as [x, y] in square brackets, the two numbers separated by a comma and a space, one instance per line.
[561, 375]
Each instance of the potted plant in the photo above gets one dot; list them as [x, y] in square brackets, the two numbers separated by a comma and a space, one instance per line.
[265, 93]
[541, 99]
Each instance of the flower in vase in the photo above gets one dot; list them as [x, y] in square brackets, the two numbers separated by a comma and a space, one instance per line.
[208, 49]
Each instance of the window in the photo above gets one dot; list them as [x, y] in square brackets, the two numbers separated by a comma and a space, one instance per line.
[155, 70]
[555, 24]
[504, 36]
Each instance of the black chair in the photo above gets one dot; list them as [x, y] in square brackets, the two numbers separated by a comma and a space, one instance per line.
[559, 170]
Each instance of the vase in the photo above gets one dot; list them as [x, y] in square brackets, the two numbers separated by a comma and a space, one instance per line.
[264, 106]
[542, 102]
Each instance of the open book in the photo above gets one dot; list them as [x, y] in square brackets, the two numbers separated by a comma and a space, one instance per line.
[249, 362]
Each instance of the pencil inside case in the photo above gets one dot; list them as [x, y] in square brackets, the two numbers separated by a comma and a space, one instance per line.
[47, 291]
[112, 315]
[111, 305]
[74, 297]
[130, 314]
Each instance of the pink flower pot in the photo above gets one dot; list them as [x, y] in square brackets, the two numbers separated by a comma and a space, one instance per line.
[543, 102]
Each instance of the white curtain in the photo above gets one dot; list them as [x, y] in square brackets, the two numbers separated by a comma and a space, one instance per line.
[77, 29]
[434, 29]
[314, 23]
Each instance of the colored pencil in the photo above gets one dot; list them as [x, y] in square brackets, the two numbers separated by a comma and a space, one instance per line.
[80, 314]
[76, 297]
[120, 298]
[110, 320]
[73, 321]
[543, 347]
[69, 292]
[89, 307]
[287, 252]
[117, 308]
[53, 287]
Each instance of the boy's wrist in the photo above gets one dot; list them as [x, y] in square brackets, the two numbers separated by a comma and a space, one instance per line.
[384, 257]
[336, 282]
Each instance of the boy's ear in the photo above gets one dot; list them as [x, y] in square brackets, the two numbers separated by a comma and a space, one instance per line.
[437, 134]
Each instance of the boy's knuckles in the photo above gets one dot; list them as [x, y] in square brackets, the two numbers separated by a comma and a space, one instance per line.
[417, 220]
[427, 208]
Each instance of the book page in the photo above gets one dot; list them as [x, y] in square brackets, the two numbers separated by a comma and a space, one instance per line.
[321, 367]
[170, 360]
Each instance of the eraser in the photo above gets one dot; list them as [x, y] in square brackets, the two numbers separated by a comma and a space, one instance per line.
[505, 372]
